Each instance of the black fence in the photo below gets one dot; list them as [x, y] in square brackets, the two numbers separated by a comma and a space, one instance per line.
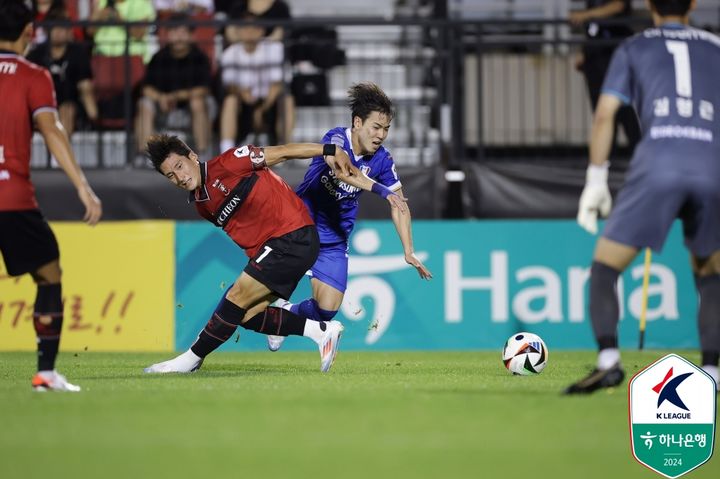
[464, 90]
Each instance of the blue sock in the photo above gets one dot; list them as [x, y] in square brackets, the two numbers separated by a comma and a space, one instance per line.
[310, 309]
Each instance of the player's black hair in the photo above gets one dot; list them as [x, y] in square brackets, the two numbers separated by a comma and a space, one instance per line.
[159, 147]
[367, 97]
[14, 17]
[665, 8]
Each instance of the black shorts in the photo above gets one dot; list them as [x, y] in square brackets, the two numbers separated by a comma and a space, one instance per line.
[281, 262]
[26, 241]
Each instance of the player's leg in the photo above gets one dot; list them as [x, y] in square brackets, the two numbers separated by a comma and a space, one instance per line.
[609, 261]
[707, 281]
[28, 245]
[329, 281]
[283, 264]
[701, 227]
[300, 252]
[47, 321]
[644, 213]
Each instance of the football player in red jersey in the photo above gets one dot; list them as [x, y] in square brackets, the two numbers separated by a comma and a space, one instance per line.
[261, 213]
[26, 241]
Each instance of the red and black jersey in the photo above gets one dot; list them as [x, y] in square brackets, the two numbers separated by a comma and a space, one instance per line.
[25, 90]
[239, 194]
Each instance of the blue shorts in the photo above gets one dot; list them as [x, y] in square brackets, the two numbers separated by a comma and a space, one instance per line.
[650, 202]
[331, 266]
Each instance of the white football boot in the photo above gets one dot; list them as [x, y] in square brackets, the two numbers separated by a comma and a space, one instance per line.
[329, 343]
[187, 362]
[275, 342]
[52, 381]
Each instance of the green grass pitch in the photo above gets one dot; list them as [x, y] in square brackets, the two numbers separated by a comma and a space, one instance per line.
[375, 415]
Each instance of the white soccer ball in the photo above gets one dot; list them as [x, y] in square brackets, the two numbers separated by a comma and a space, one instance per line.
[525, 354]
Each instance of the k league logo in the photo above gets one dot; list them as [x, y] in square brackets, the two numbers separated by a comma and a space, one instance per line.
[672, 416]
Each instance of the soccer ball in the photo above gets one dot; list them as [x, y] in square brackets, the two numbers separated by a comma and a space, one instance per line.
[525, 354]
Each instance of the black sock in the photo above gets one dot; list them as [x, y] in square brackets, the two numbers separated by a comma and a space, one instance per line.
[219, 328]
[47, 320]
[278, 322]
[709, 318]
[604, 308]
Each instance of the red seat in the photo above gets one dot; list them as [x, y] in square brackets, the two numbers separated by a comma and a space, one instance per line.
[109, 83]
[109, 74]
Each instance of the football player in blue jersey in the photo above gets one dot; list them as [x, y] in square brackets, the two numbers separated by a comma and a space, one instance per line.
[670, 75]
[333, 201]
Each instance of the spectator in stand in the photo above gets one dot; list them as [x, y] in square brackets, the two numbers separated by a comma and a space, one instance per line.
[252, 77]
[41, 8]
[263, 10]
[166, 8]
[269, 10]
[595, 58]
[69, 65]
[110, 41]
[178, 76]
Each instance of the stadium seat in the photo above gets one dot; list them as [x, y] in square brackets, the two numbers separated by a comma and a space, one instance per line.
[109, 83]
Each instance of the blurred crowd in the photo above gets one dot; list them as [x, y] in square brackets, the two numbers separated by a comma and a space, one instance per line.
[186, 75]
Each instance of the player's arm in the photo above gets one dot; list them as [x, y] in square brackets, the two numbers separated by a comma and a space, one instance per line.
[57, 142]
[596, 194]
[402, 222]
[334, 156]
[360, 180]
[607, 10]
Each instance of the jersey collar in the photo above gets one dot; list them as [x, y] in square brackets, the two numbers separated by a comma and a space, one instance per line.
[200, 193]
[673, 25]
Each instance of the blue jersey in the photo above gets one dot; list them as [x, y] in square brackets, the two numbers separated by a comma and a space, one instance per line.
[332, 203]
[671, 75]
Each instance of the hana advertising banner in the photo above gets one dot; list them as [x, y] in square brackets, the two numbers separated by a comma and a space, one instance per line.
[491, 279]
[117, 287]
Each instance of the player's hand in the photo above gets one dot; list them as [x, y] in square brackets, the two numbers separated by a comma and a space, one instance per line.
[413, 260]
[93, 205]
[340, 163]
[594, 198]
[399, 202]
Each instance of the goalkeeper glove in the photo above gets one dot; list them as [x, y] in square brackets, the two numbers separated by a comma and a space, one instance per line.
[595, 197]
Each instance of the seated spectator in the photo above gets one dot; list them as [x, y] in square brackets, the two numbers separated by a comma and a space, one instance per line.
[69, 65]
[42, 8]
[178, 76]
[165, 8]
[110, 41]
[262, 9]
[252, 77]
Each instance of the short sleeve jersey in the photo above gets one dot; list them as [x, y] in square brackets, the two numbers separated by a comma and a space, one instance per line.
[26, 89]
[333, 204]
[166, 73]
[247, 200]
[256, 70]
[670, 75]
[67, 71]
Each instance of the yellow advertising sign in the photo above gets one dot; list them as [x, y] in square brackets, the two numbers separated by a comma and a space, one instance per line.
[118, 289]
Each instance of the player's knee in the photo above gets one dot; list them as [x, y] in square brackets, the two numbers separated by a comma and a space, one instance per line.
[48, 274]
[48, 310]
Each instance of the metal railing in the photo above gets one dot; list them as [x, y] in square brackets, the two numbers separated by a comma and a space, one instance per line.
[464, 90]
